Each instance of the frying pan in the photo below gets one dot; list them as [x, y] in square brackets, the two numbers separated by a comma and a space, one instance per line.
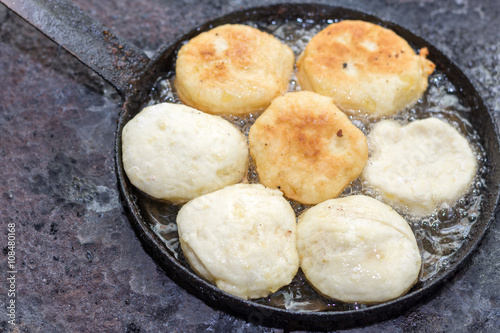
[134, 75]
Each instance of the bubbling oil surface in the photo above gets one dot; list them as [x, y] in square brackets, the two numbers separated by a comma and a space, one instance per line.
[439, 235]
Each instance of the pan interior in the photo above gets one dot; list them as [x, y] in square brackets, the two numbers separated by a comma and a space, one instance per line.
[446, 238]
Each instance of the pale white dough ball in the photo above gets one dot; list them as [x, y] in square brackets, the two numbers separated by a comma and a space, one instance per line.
[419, 166]
[176, 153]
[357, 249]
[242, 238]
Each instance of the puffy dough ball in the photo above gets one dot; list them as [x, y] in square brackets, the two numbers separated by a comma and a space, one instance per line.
[419, 166]
[357, 249]
[364, 67]
[242, 237]
[176, 153]
[233, 69]
[306, 147]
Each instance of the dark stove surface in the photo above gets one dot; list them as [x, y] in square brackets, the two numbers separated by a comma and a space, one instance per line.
[80, 267]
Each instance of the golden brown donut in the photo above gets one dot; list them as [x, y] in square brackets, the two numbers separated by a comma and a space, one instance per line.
[364, 67]
[233, 69]
[306, 147]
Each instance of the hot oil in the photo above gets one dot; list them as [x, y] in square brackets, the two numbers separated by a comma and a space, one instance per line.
[438, 235]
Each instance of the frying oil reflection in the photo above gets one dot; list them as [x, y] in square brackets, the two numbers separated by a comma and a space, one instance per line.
[438, 235]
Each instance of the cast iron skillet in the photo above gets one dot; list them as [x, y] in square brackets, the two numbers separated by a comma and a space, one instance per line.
[134, 75]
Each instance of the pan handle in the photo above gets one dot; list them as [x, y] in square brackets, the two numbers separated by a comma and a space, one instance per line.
[117, 61]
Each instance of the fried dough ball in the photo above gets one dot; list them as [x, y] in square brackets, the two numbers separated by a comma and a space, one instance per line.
[176, 153]
[242, 237]
[357, 249]
[419, 166]
[306, 147]
[364, 67]
[233, 69]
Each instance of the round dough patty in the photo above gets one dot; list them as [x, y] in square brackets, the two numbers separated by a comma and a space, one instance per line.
[420, 165]
[357, 249]
[242, 237]
[176, 153]
[364, 67]
[306, 147]
[233, 69]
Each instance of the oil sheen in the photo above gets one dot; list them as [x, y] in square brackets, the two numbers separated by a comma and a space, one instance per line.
[438, 235]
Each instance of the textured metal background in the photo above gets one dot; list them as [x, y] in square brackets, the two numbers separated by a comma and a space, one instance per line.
[81, 268]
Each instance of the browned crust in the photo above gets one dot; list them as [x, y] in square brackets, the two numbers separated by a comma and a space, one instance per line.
[373, 51]
[306, 147]
[232, 69]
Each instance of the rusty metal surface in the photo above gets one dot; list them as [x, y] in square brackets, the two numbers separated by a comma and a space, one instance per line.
[116, 60]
